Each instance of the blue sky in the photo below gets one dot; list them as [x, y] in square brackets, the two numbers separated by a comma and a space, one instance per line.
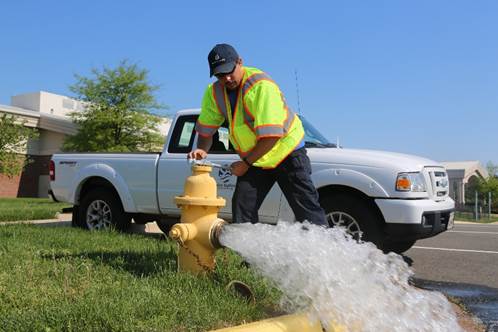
[418, 77]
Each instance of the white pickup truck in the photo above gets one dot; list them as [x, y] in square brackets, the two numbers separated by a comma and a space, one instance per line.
[390, 199]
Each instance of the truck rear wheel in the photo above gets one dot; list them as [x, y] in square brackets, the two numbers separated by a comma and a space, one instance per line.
[356, 215]
[101, 209]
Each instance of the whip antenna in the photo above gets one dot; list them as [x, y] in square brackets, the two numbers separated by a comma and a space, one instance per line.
[297, 92]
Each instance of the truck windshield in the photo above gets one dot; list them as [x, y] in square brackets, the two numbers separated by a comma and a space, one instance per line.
[313, 138]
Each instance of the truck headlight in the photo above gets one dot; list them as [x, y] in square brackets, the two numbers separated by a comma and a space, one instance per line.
[410, 182]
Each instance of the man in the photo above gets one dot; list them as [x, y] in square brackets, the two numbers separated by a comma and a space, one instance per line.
[266, 134]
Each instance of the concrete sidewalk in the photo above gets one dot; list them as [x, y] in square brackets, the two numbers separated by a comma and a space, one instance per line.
[64, 220]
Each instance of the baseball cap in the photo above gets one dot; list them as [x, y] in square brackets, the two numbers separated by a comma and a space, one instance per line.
[222, 59]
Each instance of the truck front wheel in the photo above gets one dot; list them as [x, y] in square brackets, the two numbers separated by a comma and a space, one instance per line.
[101, 209]
[355, 215]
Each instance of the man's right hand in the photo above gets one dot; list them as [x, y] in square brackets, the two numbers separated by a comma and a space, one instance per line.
[197, 154]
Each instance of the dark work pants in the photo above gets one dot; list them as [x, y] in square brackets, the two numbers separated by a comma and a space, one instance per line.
[293, 177]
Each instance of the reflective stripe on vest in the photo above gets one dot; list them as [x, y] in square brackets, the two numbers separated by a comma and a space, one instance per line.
[249, 118]
[205, 130]
[248, 84]
[219, 98]
[221, 103]
[290, 118]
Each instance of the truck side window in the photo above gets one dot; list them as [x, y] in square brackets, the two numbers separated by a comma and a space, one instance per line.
[183, 135]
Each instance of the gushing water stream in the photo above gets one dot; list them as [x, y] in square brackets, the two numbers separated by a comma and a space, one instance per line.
[326, 272]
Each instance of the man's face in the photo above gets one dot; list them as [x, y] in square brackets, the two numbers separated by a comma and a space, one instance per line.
[232, 80]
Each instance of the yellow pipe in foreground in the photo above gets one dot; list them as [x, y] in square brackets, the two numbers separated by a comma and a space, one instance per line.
[199, 225]
[289, 323]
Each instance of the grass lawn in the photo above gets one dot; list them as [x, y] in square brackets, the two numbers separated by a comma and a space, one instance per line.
[68, 279]
[13, 209]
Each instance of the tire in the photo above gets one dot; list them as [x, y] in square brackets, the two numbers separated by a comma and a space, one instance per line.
[101, 209]
[75, 216]
[398, 247]
[356, 215]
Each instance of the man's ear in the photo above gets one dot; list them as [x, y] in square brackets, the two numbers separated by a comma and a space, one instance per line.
[239, 61]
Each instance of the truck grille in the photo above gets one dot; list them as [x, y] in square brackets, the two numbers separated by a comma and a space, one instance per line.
[439, 183]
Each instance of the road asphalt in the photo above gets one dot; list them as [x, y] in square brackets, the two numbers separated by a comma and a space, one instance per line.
[461, 263]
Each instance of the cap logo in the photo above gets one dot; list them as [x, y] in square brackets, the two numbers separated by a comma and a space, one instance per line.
[218, 59]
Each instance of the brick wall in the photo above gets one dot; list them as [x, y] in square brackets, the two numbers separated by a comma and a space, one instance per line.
[9, 186]
[25, 184]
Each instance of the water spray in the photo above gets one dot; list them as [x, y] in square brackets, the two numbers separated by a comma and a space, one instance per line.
[335, 283]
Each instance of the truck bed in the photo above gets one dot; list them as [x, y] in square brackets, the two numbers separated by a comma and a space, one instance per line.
[134, 173]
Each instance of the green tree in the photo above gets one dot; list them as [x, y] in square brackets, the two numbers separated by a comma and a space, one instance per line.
[490, 185]
[117, 114]
[13, 140]
[492, 168]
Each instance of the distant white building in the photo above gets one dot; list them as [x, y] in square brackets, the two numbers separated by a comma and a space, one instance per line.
[49, 113]
[463, 175]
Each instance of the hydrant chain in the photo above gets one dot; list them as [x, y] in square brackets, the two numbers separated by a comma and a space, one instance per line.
[206, 268]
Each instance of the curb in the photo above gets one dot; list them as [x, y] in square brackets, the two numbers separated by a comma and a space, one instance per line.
[48, 222]
[63, 219]
[475, 223]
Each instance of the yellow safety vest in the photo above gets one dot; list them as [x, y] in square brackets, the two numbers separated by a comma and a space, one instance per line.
[260, 111]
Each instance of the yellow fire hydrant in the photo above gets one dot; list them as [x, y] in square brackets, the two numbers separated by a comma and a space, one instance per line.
[200, 225]
[197, 235]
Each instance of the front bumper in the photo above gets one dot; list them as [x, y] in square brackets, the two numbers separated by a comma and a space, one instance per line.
[416, 219]
[432, 224]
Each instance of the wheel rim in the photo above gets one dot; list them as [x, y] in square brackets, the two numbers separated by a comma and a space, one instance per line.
[342, 219]
[99, 215]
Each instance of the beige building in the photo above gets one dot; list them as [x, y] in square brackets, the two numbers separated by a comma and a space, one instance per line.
[49, 113]
[463, 175]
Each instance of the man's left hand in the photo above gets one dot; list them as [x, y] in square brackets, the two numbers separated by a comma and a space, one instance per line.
[239, 168]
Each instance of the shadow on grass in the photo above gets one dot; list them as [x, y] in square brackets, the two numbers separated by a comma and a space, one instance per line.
[137, 263]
